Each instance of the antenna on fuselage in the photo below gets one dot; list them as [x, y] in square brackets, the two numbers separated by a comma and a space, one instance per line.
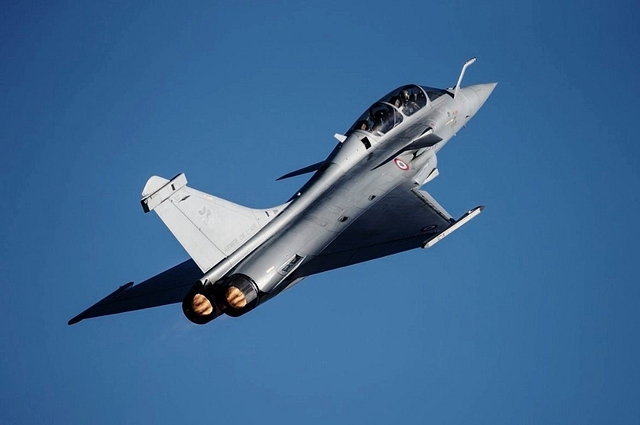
[464, 68]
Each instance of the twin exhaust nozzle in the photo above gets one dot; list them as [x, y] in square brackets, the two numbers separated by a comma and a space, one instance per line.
[237, 295]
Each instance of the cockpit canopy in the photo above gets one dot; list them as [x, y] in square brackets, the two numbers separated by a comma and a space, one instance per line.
[378, 119]
[389, 111]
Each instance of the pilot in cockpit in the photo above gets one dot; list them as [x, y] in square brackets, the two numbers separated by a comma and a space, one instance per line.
[410, 104]
[397, 102]
[363, 125]
[383, 122]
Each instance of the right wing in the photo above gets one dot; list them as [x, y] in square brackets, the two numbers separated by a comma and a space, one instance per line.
[406, 218]
[168, 287]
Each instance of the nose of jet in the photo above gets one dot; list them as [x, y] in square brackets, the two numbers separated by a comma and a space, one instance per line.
[483, 91]
[476, 96]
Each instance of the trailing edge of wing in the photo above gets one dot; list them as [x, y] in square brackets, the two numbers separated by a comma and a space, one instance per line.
[301, 171]
[168, 287]
[403, 219]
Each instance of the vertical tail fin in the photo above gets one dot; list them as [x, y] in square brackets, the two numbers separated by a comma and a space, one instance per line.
[209, 228]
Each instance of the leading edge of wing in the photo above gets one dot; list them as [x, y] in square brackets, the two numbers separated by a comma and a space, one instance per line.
[168, 287]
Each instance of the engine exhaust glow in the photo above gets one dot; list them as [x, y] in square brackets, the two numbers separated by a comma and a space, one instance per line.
[201, 305]
[236, 298]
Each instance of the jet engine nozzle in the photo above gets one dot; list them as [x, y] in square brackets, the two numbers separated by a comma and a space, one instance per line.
[237, 295]
[198, 305]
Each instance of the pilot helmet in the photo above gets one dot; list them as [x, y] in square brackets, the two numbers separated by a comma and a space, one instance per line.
[404, 95]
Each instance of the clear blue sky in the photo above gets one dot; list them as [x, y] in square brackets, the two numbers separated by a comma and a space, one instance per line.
[527, 315]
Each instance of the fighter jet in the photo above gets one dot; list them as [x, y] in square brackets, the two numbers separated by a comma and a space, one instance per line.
[362, 202]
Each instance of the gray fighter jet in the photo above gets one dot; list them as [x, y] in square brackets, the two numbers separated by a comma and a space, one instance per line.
[363, 202]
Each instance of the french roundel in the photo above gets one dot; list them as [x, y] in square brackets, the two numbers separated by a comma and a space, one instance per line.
[401, 164]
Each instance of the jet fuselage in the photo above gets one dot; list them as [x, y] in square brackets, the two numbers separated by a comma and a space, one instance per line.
[361, 170]
[363, 202]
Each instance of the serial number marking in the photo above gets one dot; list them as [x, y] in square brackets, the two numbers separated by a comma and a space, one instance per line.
[242, 237]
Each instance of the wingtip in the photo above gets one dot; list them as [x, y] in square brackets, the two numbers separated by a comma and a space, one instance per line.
[286, 176]
[75, 320]
[122, 289]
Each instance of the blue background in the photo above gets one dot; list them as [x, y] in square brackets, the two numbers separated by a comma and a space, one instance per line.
[526, 315]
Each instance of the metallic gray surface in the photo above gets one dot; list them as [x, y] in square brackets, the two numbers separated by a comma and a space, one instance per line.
[363, 202]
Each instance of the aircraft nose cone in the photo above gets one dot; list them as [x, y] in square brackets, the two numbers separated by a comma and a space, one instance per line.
[483, 91]
[476, 96]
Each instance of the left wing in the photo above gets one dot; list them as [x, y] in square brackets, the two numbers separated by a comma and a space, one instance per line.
[405, 218]
[168, 287]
